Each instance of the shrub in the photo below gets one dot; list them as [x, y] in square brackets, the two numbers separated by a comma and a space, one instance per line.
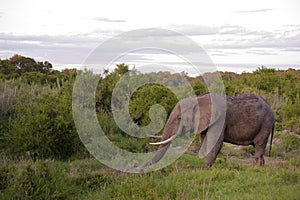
[43, 125]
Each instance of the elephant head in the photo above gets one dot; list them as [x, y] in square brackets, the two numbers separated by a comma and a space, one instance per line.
[193, 115]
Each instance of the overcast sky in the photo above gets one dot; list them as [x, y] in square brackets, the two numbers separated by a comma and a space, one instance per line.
[237, 35]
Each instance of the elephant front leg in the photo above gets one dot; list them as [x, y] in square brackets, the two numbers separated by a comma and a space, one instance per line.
[211, 157]
[211, 145]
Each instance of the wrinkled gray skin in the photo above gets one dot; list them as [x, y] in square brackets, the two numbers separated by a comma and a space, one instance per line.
[248, 120]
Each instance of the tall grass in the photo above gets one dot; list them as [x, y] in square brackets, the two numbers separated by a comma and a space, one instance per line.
[231, 177]
[28, 179]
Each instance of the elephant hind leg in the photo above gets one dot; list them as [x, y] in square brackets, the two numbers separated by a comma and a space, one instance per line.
[261, 139]
[259, 153]
[260, 143]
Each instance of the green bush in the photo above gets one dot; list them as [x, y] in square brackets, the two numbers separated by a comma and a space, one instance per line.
[147, 96]
[36, 115]
[288, 146]
[42, 124]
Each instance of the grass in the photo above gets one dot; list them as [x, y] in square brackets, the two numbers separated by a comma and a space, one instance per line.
[184, 181]
[231, 177]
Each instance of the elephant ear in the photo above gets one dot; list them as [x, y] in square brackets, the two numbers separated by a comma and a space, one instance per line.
[205, 114]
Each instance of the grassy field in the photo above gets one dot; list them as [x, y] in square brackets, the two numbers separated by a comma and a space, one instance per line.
[231, 177]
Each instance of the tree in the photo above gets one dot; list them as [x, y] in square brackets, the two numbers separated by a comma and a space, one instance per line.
[6, 67]
[106, 87]
[25, 64]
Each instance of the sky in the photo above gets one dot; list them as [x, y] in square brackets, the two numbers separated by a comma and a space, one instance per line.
[237, 35]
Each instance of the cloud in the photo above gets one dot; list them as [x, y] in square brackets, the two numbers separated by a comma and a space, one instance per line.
[194, 29]
[230, 36]
[228, 29]
[56, 49]
[261, 52]
[236, 37]
[222, 52]
[254, 11]
[200, 30]
[45, 39]
[296, 49]
[222, 37]
[109, 20]
[229, 41]
[75, 48]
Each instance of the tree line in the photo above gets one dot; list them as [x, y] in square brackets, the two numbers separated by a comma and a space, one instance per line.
[36, 104]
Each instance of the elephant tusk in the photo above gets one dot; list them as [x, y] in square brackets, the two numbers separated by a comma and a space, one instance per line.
[165, 141]
[156, 136]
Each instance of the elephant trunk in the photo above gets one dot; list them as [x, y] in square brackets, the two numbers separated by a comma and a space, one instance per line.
[162, 149]
[160, 153]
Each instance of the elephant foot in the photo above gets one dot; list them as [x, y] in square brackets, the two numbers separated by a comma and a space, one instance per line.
[260, 159]
[209, 162]
[207, 166]
[262, 162]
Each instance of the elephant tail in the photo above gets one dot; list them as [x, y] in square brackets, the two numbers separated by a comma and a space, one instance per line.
[271, 140]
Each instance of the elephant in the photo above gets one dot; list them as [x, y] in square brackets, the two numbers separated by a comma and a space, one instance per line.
[241, 120]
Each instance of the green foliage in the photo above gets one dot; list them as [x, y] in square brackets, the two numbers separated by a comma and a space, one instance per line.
[198, 87]
[121, 139]
[280, 88]
[155, 94]
[231, 177]
[36, 124]
[193, 183]
[35, 103]
[8, 97]
[41, 123]
[6, 67]
[23, 64]
[30, 71]
[106, 86]
[35, 180]
[288, 146]
[266, 79]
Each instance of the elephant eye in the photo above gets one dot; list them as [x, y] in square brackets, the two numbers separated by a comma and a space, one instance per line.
[179, 117]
